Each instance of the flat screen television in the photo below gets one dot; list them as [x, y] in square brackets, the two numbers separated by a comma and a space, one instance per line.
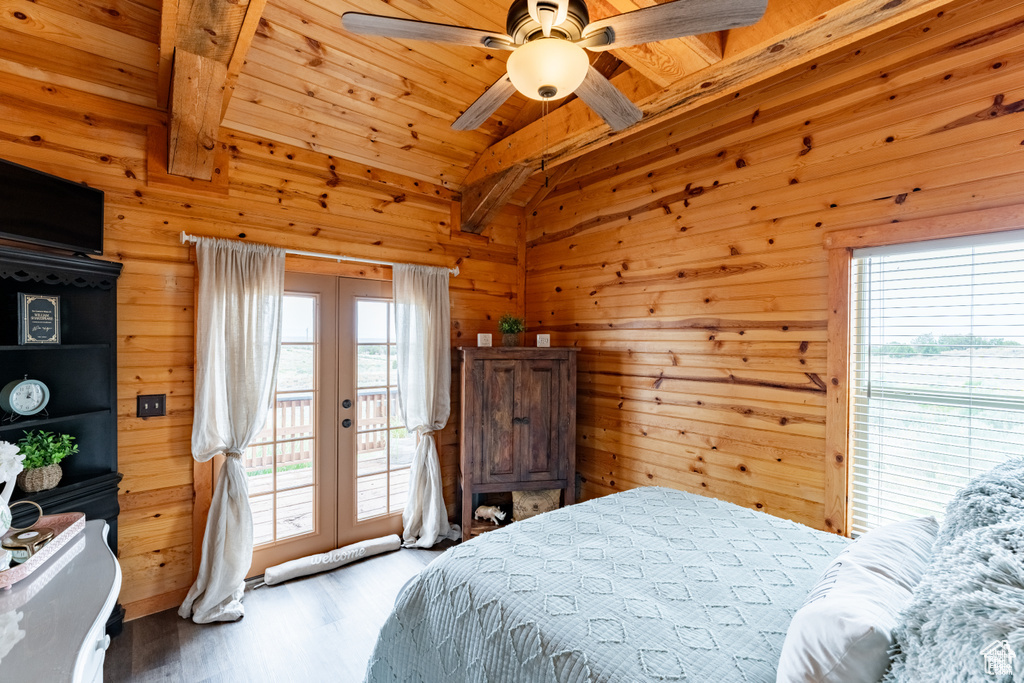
[39, 208]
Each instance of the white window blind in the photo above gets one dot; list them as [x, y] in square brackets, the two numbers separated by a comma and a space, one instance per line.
[937, 371]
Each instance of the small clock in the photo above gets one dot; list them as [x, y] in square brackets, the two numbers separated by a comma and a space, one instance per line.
[24, 396]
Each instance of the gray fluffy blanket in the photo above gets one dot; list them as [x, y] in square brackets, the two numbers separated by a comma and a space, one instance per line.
[992, 498]
[972, 596]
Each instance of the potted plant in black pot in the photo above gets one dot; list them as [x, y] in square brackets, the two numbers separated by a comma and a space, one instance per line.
[511, 328]
[43, 453]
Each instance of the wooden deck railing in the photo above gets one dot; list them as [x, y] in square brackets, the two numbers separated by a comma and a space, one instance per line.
[371, 414]
[295, 421]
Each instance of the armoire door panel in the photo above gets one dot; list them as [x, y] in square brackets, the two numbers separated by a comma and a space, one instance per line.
[538, 409]
[497, 444]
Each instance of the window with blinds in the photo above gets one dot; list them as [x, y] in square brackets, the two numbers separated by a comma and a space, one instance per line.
[937, 371]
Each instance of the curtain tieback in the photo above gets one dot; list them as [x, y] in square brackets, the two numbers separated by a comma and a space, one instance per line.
[233, 453]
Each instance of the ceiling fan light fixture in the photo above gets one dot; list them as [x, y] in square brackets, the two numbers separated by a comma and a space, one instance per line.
[547, 68]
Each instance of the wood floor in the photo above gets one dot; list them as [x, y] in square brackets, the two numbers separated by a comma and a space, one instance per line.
[320, 628]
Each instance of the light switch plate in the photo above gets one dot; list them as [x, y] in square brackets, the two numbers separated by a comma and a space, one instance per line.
[543, 340]
[483, 339]
[151, 405]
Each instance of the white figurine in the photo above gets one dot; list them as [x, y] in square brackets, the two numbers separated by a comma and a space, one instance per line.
[491, 512]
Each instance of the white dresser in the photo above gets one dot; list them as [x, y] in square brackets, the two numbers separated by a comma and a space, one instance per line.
[53, 624]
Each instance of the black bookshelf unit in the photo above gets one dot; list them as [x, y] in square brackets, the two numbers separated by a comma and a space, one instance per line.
[81, 374]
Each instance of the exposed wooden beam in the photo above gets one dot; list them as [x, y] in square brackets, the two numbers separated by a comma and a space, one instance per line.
[197, 90]
[550, 183]
[246, 34]
[158, 177]
[203, 44]
[710, 45]
[168, 33]
[582, 130]
[482, 202]
[780, 16]
[663, 62]
[210, 28]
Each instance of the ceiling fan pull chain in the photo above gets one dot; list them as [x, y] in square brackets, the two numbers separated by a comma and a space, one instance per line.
[544, 156]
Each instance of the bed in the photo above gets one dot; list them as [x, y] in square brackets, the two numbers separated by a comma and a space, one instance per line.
[647, 585]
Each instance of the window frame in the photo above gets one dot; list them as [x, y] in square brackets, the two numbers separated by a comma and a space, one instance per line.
[840, 245]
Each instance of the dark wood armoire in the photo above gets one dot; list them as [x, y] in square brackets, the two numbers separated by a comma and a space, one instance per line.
[518, 424]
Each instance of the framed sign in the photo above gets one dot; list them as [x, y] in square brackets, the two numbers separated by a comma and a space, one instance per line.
[38, 319]
[483, 339]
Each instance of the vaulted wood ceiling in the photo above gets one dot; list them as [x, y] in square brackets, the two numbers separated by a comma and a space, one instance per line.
[390, 103]
[382, 102]
[291, 74]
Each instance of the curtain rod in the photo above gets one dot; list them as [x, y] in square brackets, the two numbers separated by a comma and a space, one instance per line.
[186, 238]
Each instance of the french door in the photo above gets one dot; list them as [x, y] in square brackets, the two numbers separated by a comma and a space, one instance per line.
[331, 465]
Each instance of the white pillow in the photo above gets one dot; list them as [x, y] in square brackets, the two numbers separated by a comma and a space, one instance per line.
[844, 629]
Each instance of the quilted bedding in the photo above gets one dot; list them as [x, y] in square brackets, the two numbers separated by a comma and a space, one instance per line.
[647, 585]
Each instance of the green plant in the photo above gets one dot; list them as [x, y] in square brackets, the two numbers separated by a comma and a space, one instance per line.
[42, 448]
[511, 324]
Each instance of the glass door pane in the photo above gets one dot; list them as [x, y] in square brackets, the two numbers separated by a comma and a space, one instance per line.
[383, 447]
[281, 463]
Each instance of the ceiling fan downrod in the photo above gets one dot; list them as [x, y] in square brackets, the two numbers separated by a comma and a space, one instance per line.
[529, 20]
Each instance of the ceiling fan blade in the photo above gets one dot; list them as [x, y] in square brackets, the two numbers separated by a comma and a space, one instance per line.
[674, 20]
[410, 29]
[608, 101]
[485, 105]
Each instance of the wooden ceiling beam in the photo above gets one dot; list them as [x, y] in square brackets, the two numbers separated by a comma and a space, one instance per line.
[168, 33]
[482, 202]
[246, 34]
[781, 15]
[203, 44]
[574, 129]
[550, 183]
[663, 62]
[197, 87]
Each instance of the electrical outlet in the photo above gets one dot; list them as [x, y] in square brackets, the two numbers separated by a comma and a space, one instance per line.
[151, 405]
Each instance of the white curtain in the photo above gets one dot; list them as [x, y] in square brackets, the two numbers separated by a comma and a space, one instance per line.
[423, 330]
[238, 341]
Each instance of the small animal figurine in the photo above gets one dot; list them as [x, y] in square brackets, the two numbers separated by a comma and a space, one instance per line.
[491, 512]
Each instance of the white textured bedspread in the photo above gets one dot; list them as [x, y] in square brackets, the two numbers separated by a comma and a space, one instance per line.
[648, 585]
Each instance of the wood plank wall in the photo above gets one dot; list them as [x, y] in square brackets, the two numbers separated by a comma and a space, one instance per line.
[276, 194]
[687, 264]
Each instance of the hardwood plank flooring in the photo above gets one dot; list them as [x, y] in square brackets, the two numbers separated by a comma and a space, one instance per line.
[318, 628]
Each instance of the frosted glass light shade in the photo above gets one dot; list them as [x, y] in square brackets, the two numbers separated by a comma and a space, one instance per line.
[547, 68]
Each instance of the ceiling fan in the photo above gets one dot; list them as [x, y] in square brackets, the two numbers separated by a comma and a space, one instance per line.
[547, 39]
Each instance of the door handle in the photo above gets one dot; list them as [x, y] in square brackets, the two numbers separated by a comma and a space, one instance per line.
[346, 423]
